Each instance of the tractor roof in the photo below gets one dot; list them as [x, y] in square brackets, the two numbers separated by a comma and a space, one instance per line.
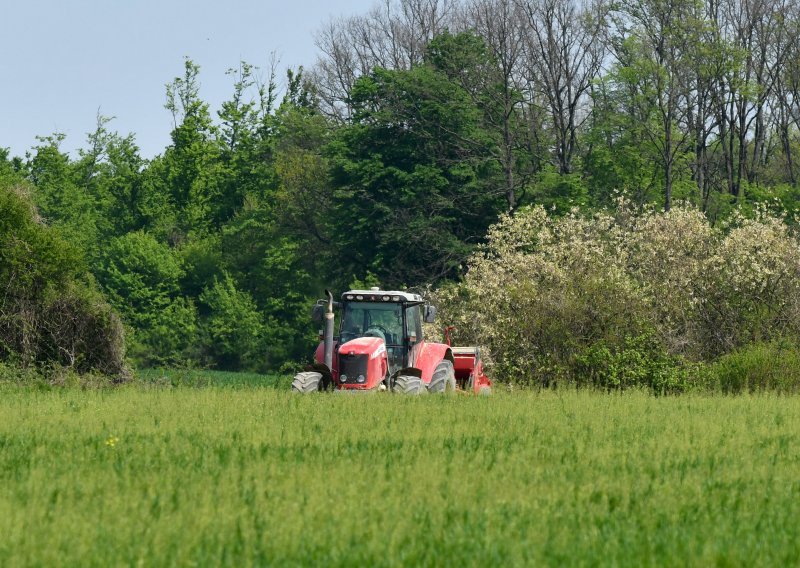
[378, 295]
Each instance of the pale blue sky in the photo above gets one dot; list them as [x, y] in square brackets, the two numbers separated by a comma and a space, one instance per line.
[61, 60]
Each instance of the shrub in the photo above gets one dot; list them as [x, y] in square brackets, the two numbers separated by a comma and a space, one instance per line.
[751, 286]
[51, 312]
[80, 331]
[760, 366]
[623, 299]
[637, 362]
[541, 293]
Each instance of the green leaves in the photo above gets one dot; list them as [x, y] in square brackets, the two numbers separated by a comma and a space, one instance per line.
[410, 169]
[141, 277]
[51, 313]
[233, 330]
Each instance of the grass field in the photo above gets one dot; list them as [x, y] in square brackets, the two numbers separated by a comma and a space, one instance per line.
[156, 475]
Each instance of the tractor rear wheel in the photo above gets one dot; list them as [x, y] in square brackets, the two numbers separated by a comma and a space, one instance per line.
[408, 384]
[309, 381]
[444, 378]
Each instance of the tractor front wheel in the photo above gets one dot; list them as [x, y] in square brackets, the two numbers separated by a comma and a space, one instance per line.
[309, 381]
[408, 384]
[444, 378]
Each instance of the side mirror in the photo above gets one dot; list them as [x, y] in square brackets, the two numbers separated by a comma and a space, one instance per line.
[430, 314]
[318, 313]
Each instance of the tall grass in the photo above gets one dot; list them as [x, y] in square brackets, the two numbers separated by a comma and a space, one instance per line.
[256, 476]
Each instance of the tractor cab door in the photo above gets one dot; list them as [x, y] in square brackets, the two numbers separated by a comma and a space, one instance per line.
[413, 334]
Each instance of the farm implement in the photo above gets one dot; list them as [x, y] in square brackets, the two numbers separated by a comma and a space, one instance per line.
[380, 346]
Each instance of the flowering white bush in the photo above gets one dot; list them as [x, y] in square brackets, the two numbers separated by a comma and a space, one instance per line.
[570, 298]
[753, 286]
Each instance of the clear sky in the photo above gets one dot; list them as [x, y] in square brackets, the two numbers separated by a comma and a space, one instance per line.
[62, 60]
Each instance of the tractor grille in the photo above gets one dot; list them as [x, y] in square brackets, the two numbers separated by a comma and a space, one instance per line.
[350, 366]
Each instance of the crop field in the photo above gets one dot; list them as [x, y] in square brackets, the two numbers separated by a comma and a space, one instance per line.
[152, 474]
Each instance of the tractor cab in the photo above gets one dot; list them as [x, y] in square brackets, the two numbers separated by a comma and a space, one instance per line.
[393, 317]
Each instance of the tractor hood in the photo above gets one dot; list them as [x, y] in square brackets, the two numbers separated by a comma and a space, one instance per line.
[362, 363]
[372, 346]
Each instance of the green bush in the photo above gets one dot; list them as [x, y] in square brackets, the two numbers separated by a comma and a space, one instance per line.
[773, 366]
[51, 313]
[635, 362]
[627, 298]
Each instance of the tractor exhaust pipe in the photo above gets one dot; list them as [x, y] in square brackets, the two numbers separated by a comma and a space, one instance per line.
[328, 338]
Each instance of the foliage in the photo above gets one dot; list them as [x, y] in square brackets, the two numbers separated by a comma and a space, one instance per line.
[59, 195]
[634, 362]
[758, 367]
[413, 173]
[141, 278]
[51, 312]
[392, 158]
[233, 330]
[625, 299]
[140, 275]
[559, 193]
[10, 174]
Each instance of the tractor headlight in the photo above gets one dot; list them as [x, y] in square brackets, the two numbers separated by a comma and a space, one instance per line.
[343, 378]
[361, 378]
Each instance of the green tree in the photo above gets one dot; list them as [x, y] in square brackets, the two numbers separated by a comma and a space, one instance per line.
[654, 69]
[274, 269]
[414, 178]
[60, 196]
[232, 330]
[191, 169]
[483, 67]
[141, 278]
[110, 171]
[10, 169]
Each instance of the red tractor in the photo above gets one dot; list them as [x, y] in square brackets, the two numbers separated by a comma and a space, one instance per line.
[380, 346]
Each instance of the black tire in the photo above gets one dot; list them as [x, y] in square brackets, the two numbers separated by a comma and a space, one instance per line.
[444, 378]
[408, 384]
[309, 381]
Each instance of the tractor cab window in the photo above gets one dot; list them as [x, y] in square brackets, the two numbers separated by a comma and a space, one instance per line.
[372, 319]
[413, 322]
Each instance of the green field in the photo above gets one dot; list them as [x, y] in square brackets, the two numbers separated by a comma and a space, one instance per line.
[156, 475]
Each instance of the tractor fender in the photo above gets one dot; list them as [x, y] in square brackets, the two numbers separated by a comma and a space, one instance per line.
[319, 358]
[430, 355]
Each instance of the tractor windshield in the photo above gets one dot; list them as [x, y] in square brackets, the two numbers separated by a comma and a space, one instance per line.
[375, 319]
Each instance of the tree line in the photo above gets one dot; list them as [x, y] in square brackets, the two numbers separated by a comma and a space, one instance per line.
[665, 99]
[389, 159]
